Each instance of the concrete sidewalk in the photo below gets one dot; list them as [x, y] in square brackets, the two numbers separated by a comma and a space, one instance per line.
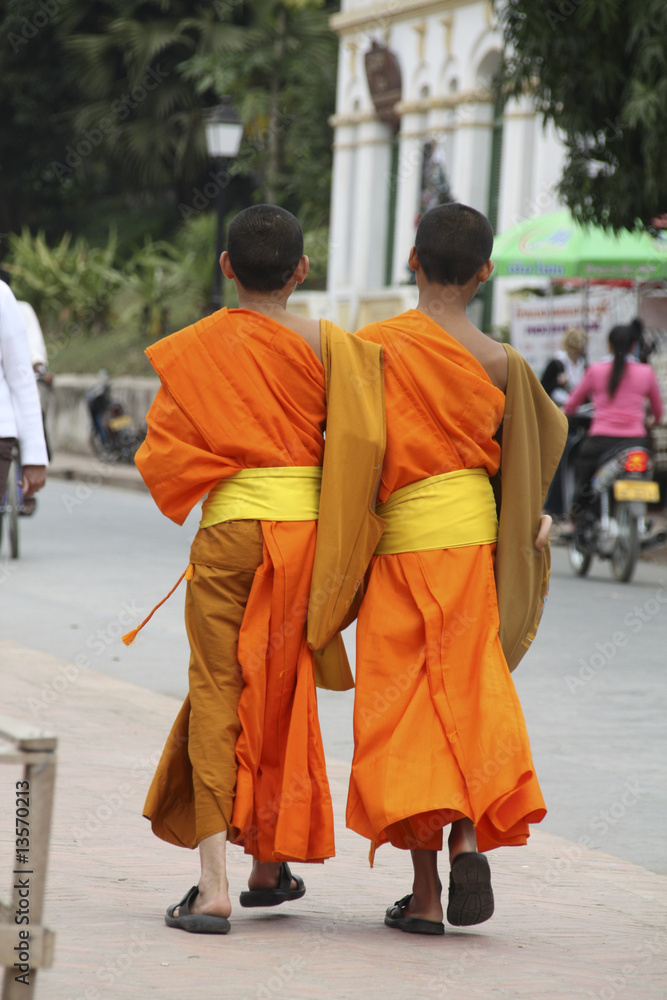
[569, 922]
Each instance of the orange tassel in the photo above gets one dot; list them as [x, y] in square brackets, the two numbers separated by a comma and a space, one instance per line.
[129, 637]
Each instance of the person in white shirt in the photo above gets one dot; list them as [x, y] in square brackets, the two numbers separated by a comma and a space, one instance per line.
[33, 329]
[40, 364]
[566, 369]
[20, 408]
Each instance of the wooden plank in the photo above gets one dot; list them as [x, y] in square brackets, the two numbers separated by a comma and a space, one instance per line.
[41, 946]
[9, 755]
[25, 736]
[41, 780]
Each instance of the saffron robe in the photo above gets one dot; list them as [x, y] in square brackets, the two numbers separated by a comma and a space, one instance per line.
[439, 732]
[238, 391]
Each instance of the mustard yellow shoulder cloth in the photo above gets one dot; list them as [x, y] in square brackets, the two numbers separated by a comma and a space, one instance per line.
[348, 527]
[534, 432]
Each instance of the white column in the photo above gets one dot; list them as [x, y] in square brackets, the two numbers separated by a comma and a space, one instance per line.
[343, 189]
[470, 178]
[519, 198]
[370, 206]
[410, 155]
[548, 165]
[517, 174]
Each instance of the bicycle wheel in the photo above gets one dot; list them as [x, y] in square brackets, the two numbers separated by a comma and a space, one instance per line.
[12, 508]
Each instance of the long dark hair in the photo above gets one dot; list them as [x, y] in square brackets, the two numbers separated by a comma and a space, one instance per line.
[621, 341]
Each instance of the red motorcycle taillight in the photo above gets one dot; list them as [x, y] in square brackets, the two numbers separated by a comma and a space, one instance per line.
[636, 461]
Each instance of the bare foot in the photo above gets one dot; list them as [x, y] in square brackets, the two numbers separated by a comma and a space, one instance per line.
[462, 838]
[426, 887]
[265, 875]
[213, 897]
[212, 903]
[426, 906]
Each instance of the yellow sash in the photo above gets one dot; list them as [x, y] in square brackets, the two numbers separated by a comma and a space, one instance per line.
[275, 494]
[443, 512]
[290, 493]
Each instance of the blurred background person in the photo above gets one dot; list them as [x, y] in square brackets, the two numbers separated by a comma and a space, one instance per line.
[566, 369]
[622, 389]
[40, 364]
[562, 374]
[20, 410]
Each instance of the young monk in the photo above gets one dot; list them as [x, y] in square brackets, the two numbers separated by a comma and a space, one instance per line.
[439, 735]
[240, 416]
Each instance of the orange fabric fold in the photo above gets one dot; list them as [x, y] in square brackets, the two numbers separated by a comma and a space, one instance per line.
[239, 390]
[438, 727]
[282, 807]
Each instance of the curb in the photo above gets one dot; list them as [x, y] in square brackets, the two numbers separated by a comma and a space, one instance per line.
[84, 469]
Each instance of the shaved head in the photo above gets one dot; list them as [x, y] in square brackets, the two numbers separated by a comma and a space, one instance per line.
[265, 245]
[452, 243]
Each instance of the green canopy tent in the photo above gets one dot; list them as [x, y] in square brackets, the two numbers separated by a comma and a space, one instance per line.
[555, 247]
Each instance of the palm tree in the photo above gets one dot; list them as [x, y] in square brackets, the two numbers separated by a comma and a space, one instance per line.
[125, 56]
[281, 73]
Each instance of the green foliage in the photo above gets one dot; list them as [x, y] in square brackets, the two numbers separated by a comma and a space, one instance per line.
[123, 55]
[196, 242]
[35, 95]
[598, 71]
[71, 284]
[103, 126]
[81, 291]
[282, 78]
[158, 278]
[316, 248]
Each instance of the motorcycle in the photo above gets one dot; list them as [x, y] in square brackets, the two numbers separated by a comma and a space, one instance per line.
[615, 526]
[113, 435]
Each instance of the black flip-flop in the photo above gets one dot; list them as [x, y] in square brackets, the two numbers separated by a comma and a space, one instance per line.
[195, 923]
[282, 893]
[470, 892]
[395, 917]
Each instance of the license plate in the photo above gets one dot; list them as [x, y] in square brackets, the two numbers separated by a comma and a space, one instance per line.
[636, 489]
[115, 423]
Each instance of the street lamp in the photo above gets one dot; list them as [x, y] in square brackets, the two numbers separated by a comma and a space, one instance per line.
[224, 131]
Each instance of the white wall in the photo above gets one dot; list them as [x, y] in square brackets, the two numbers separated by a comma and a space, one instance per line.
[447, 51]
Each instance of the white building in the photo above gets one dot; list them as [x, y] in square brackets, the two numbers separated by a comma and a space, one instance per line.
[449, 132]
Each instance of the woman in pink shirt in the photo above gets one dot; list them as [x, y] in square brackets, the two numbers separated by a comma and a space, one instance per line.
[620, 387]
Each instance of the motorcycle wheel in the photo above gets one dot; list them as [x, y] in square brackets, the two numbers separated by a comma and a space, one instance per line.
[128, 446]
[104, 453]
[580, 557]
[626, 549]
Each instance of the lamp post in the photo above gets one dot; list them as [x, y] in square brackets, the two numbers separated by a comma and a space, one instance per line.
[224, 131]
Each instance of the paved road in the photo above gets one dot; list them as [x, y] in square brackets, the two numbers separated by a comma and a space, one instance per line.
[594, 687]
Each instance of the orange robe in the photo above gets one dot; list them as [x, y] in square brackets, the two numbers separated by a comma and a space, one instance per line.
[241, 391]
[439, 733]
